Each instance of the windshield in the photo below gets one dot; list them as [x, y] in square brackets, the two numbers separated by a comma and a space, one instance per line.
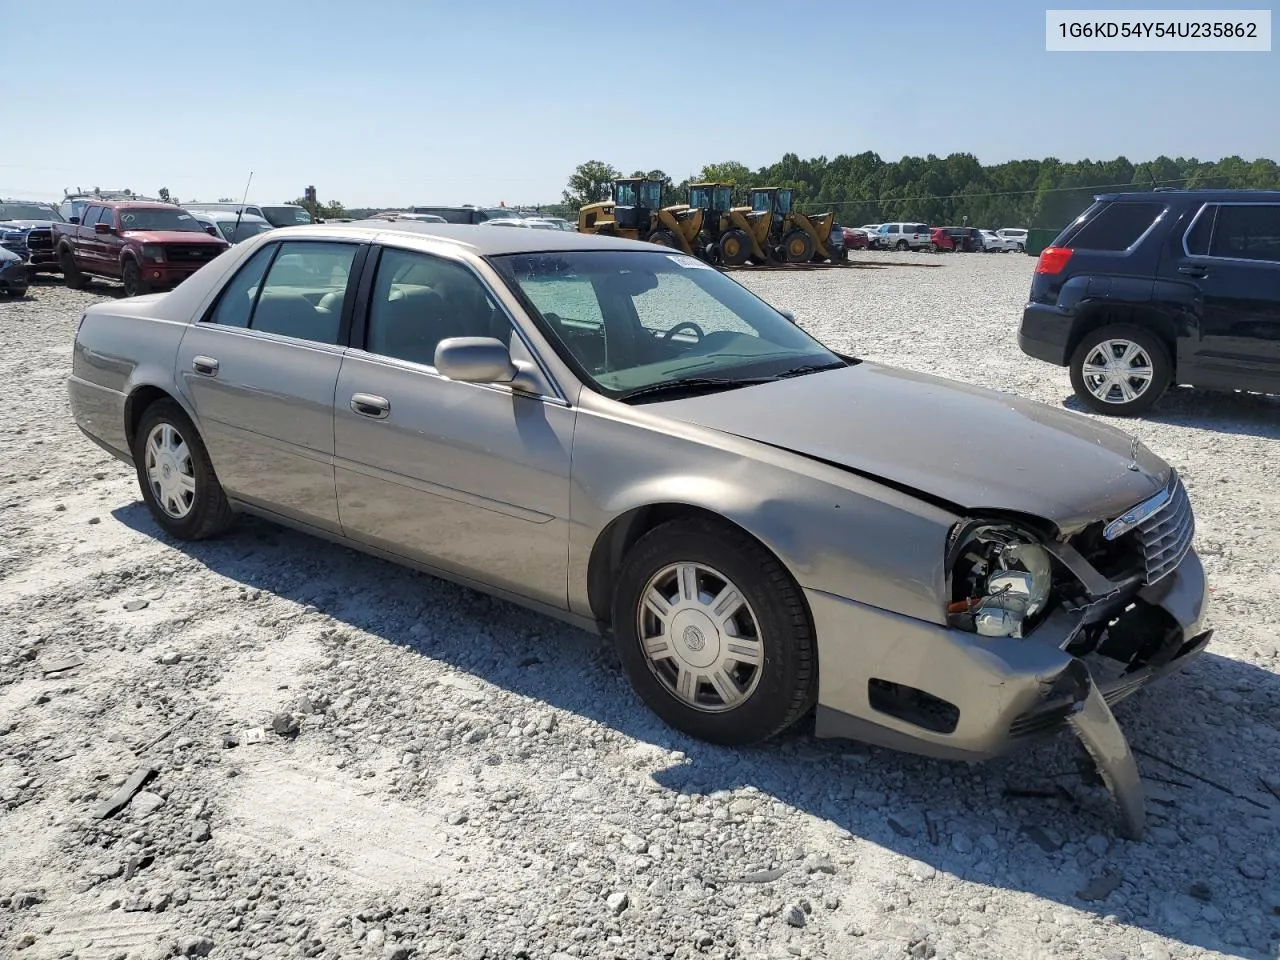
[28, 211]
[699, 197]
[286, 216]
[761, 202]
[624, 194]
[651, 195]
[146, 218]
[626, 320]
[247, 229]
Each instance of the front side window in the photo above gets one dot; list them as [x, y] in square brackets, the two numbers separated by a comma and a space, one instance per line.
[630, 320]
[624, 194]
[651, 195]
[304, 291]
[91, 215]
[1247, 232]
[419, 300]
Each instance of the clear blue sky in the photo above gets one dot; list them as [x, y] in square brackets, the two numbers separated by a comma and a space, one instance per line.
[381, 102]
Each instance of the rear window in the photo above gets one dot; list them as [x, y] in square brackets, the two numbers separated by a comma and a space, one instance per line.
[1116, 226]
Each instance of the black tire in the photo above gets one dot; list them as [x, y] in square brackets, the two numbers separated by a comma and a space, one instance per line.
[664, 238]
[797, 247]
[209, 513]
[786, 686]
[1144, 340]
[1021, 248]
[735, 247]
[902, 246]
[131, 275]
[70, 272]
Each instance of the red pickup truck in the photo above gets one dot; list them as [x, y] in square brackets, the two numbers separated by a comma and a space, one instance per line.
[146, 246]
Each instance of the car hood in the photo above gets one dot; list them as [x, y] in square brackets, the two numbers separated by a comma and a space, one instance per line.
[173, 236]
[971, 448]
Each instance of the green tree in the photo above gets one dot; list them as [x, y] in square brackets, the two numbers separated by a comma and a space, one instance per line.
[591, 182]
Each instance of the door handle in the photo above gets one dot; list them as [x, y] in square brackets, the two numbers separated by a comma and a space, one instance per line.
[205, 366]
[367, 405]
[1193, 271]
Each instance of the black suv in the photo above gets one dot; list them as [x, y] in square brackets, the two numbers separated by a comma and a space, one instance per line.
[1144, 290]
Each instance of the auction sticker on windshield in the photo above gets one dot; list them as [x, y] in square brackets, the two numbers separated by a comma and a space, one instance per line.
[686, 261]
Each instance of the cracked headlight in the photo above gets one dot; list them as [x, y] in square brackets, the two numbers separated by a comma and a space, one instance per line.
[1001, 580]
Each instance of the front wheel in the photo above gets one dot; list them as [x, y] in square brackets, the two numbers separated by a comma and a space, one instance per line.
[1120, 370]
[176, 476]
[735, 247]
[797, 247]
[714, 633]
[664, 238]
[131, 275]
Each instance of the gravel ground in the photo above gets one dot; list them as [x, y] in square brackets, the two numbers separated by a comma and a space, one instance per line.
[353, 760]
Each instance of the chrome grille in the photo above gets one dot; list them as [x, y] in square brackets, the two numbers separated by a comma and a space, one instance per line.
[1164, 525]
[40, 239]
[195, 253]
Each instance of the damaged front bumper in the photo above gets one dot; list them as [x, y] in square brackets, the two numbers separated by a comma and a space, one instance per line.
[925, 688]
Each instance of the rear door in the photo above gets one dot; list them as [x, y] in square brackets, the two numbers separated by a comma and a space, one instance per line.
[1231, 253]
[260, 371]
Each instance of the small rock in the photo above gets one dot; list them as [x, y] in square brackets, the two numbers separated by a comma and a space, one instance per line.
[229, 740]
[819, 864]
[133, 606]
[1201, 891]
[794, 915]
[634, 844]
[617, 902]
[60, 507]
[375, 937]
[1253, 868]
[764, 876]
[195, 946]
[108, 870]
[26, 899]
[702, 939]
[145, 803]
[396, 951]
[170, 657]
[285, 724]
[456, 818]
[94, 521]
[961, 843]
[200, 831]
[27, 939]
[1097, 845]
[921, 870]
[742, 807]
[1100, 887]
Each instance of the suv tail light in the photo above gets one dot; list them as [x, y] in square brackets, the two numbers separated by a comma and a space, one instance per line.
[1053, 259]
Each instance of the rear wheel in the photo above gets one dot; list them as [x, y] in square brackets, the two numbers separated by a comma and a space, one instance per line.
[176, 476]
[713, 633]
[797, 247]
[1120, 370]
[664, 238]
[735, 247]
[70, 272]
[131, 275]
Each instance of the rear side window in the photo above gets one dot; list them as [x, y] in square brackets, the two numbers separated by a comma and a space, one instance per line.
[304, 291]
[239, 296]
[1200, 232]
[1247, 232]
[1116, 226]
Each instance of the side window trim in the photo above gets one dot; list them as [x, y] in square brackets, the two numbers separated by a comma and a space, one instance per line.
[1218, 205]
[1212, 210]
[360, 332]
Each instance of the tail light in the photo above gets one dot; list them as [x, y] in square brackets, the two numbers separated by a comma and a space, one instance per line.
[1053, 260]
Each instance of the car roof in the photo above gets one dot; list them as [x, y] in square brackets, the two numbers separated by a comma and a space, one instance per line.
[1267, 196]
[476, 238]
[137, 204]
[227, 215]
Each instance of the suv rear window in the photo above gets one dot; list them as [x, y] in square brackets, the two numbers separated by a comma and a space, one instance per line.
[1116, 226]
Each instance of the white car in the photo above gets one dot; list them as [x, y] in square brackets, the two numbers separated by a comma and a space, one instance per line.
[527, 224]
[1017, 235]
[992, 242]
[904, 236]
[872, 230]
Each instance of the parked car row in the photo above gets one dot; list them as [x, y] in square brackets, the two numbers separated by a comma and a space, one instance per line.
[903, 236]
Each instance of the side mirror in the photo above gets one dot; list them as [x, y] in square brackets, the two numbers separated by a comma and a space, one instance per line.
[101, 228]
[73, 220]
[483, 360]
[789, 315]
[211, 231]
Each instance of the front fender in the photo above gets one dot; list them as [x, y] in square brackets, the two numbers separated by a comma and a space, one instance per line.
[835, 531]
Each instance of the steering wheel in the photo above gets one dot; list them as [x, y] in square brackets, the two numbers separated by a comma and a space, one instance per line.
[681, 326]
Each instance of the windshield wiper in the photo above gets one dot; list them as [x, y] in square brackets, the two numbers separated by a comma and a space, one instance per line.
[693, 384]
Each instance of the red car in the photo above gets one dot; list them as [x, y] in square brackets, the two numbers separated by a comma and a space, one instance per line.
[942, 240]
[855, 239]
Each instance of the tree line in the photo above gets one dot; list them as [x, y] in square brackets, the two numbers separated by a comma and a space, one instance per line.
[941, 190]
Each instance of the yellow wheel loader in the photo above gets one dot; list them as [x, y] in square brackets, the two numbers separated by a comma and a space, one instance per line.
[795, 237]
[636, 213]
[730, 235]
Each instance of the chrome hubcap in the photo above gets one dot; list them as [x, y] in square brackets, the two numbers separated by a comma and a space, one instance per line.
[1117, 371]
[700, 637]
[169, 471]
